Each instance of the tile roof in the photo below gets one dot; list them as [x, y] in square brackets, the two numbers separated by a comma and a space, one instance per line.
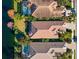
[42, 2]
[42, 56]
[47, 50]
[47, 9]
[46, 24]
[47, 12]
[42, 11]
[45, 29]
[43, 47]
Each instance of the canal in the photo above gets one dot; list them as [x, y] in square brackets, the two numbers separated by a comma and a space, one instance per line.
[7, 34]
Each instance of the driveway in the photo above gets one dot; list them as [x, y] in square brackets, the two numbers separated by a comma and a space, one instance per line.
[71, 46]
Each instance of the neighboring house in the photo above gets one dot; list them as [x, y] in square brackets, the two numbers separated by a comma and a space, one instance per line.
[43, 8]
[46, 50]
[42, 2]
[47, 9]
[45, 29]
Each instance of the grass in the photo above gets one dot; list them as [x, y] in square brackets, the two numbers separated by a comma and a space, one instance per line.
[66, 3]
[15, 6]
[74, 54]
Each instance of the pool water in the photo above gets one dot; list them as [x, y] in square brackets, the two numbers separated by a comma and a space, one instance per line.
[26, 49]
[26, 10]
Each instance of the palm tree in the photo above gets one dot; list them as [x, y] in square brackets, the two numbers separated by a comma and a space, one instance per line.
[11, 13]
[18, 16]
[19, 22]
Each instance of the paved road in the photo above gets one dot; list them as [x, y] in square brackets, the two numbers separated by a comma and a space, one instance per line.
[71, 46]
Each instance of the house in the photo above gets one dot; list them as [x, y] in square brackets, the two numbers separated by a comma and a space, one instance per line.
[46, 50]
[45, 29]
[42, 2]
[47, 9]
[43, 8]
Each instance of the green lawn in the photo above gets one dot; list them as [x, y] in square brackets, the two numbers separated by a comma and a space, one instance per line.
[15, 5]
[75, 54]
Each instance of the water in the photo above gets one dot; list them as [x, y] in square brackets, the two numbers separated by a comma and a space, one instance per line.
[8, 37]
[25, 9]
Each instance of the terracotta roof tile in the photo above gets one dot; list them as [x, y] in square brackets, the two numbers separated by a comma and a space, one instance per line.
[47, 11]
[42, 2]
[43, 47]
[41, 12]
[44, 29]
[46, 24]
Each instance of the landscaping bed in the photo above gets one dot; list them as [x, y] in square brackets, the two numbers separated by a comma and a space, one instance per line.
[66, 55]
[46, 40]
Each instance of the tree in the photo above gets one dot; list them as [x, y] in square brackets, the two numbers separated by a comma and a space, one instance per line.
[11, 13]
[66, 55]
[66, 3]
[19, 22]
[18, 16]
[71, 18]
[66, 36]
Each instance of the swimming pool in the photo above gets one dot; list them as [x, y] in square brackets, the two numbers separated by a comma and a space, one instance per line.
[25, 50]
[25, 9]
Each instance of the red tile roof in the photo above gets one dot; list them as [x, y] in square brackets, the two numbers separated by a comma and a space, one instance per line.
[46, 24]
[43, 47]
[42, 2]
[43, 29]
